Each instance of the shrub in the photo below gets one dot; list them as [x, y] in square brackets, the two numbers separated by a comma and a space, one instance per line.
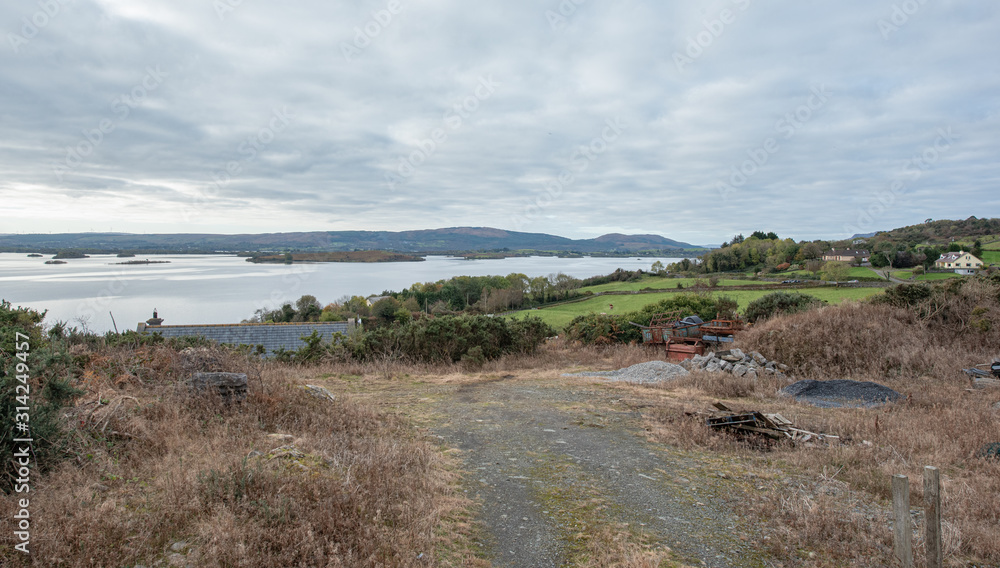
[776, 303]
[903, 295]
[447, 339]
[36, 385]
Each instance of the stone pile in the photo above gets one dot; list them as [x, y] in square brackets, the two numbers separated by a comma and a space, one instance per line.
[839, 393]
[735, 361]
[641, 373]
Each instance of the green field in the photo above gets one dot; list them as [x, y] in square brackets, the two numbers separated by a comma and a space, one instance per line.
[657, 283]
[559, 316]
[938, 276]
[854, 272]
[862, 272]
[991, 256]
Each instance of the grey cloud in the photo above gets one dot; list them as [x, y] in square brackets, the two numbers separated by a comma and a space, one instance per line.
[355, 118]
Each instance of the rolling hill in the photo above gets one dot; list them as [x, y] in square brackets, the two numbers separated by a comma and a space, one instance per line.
[452, 239]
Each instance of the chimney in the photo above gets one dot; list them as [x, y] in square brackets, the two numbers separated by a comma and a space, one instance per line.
[155, 320]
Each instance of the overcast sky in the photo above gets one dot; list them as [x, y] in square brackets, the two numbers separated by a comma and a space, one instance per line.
[693, 120]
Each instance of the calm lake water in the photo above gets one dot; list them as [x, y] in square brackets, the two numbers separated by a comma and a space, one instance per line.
[227, 289]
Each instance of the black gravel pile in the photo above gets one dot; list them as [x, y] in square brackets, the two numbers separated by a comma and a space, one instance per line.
[841, 392]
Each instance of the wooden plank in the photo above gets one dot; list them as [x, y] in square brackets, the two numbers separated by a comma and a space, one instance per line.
[779, 419]
[932, 516]
[721, 407]
[776, 434]
[764, 421]
[902, 542]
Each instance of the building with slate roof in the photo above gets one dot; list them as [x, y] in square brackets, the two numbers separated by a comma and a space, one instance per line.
[272, 336]
[961, 262]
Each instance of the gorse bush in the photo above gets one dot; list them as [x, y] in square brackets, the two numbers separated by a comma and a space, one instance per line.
[776, 303]
[904, 295]
[443, 339]
[45, 369]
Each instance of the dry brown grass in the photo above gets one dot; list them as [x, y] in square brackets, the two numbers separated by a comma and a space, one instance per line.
[834, 505]
[155, 466]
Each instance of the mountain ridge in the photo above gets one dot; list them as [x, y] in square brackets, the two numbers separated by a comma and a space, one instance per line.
[448, 239]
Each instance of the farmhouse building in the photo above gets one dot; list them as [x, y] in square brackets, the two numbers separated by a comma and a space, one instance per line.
[374, 299]
[961, 262]
[846, 255]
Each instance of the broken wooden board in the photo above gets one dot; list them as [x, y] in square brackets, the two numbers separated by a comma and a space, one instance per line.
[774, 425]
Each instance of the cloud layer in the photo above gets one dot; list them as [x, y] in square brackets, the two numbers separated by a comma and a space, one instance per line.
[688, 119]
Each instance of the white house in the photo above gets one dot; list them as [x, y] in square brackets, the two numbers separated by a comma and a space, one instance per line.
[961, 262]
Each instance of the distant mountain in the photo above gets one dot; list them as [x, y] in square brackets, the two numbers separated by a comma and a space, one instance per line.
[452, 239]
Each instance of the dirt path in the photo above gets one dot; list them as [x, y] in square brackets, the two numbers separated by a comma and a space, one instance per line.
[555, 462]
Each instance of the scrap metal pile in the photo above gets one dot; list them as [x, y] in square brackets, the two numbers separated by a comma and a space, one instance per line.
[774, 426]
[981, 379]
[685, 337]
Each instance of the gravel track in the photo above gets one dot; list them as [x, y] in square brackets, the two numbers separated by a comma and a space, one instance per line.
[526, 443]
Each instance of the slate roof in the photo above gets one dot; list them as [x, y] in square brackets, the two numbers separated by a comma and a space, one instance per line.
[272, 336]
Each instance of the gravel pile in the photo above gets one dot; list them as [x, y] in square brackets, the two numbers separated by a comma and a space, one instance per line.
[642, 373]
[841, 392]
[745, 365]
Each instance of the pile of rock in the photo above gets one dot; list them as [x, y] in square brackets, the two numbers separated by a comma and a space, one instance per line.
[735, 361]
[641, 373]
[839, 393]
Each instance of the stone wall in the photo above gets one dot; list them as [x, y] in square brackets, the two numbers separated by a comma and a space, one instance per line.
[272, 336]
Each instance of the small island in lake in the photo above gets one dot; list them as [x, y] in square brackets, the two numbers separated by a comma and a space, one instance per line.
[55, 262]
[69, 254]
[146, 261]
[342, 256]
[34, 255]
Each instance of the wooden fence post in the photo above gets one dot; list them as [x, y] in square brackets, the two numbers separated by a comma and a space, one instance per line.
[932, 516]
[902, 535]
